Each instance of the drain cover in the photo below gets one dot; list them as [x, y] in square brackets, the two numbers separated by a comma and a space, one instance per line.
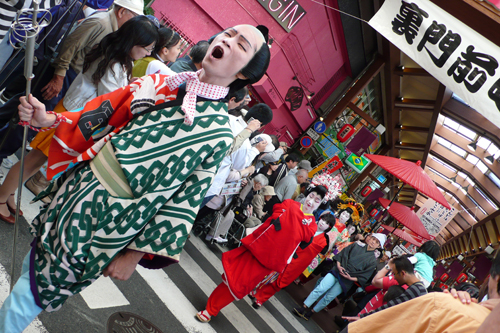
[126, 322]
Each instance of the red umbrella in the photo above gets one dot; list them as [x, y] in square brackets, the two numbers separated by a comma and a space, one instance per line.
[410, 173]
[401, 234]
[406, 216]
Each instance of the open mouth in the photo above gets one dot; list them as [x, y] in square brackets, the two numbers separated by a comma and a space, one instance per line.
[217, 52]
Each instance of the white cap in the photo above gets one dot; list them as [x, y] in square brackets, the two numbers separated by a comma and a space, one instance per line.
[136, 6]
[388, 254]
[269, 148]
[381, 238]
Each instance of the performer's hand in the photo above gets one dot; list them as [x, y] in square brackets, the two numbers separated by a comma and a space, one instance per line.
[53, 88]
[351, 319]
[123, 265]
[462, 295]
[253, 125]
[33, 112]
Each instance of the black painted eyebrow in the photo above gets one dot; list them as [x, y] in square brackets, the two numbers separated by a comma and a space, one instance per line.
[246, 40]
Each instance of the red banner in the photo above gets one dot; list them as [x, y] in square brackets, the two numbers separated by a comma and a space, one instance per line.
[333, 165]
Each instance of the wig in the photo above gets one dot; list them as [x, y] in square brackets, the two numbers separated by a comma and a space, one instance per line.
[261, 112]
[328, 218]
[115, 47]
[320, 190]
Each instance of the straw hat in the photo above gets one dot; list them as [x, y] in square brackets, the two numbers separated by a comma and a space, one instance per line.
[268, 190]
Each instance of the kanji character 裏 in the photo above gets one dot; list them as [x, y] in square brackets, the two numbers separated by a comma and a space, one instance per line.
[408, 21]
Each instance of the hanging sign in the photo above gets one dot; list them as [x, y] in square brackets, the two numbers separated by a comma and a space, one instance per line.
[333, 165]
[357, 163]
[435, 217]
[345, 132]
[286, 12]
[457, 56]
[312, 134]
[306, 141]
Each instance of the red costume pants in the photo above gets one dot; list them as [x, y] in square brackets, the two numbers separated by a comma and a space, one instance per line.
[219, 299]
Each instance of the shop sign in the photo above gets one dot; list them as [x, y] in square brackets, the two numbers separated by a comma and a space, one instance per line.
[312, 133]
[357, 163]
[457, 56]
[286, 12]
[435, 217]
[333, 165]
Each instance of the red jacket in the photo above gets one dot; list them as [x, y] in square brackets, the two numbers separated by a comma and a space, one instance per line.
[273, 246]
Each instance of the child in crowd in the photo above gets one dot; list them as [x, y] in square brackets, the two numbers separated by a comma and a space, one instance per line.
[425, 260]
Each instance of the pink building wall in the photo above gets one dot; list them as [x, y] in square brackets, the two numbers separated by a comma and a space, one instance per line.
[314, 51]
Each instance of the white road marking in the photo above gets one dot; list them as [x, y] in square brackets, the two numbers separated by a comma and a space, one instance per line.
[103, 293]
[174, 299]
[36, 326]
[216, 262]
[231, 312]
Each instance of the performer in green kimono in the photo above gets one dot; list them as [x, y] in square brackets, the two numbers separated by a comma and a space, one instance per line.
[134, 193]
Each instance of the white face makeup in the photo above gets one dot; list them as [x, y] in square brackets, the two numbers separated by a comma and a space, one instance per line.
[229, 53]
[312, 202]
[322, 225]
[344, 216]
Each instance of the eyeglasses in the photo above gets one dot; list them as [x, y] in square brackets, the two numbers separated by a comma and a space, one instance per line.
[149, 50]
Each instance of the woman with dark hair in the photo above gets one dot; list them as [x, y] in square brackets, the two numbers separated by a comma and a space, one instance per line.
[166, 50]
[107, 67]
[143, 178]
[269, 248]
[425, 260]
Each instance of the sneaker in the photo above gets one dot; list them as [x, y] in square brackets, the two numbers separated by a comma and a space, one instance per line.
[299, 311]
[307, 314]
[203, 316]
[220, 240]
[256, 304]
[7, 163]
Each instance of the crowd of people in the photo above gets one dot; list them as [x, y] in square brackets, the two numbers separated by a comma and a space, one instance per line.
[158, 144]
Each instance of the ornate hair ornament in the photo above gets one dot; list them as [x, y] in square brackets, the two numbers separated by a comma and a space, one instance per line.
[357, 209]
[331, 183]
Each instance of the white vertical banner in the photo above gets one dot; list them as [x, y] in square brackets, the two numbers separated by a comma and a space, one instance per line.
[435, 217]
[457, 56]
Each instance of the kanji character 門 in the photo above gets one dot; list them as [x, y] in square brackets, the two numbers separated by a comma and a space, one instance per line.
[448, 44]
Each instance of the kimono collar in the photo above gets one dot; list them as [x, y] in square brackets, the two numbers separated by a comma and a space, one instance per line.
[194, 88]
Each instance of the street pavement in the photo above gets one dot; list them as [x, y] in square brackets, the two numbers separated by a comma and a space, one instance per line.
[169, 298]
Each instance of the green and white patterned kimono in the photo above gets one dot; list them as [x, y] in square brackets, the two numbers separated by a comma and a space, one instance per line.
[168, 165]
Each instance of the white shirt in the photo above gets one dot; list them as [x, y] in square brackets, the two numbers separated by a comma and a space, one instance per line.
[238, 160]
[83, 90]
[158, 67]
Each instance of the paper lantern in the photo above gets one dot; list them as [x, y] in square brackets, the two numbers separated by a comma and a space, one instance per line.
[373, 212]
[366, 191]
[444, 277]
[443, 286]
[345, 132]
[462, 278]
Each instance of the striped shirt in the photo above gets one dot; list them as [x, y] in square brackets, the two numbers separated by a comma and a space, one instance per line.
[414, 291]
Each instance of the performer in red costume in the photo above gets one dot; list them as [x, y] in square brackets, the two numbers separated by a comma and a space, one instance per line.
[327, 236]
[269, 248]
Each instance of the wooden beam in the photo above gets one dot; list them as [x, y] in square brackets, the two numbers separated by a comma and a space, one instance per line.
[376, 66]
[409, 109]
[409, 146]
[480, 223]
[411, 71]
[414, 103]
[412, 129]
[486, 235]
[363, 115]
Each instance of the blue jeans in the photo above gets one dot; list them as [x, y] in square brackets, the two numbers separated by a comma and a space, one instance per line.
[328, 288]
[19, 309]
